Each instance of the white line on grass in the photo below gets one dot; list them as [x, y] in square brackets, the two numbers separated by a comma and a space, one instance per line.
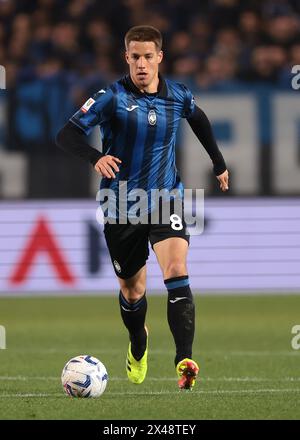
[219, 379]
[161, 393]
[162, 379]
[286, 390]
[161, 352]
[25, 395]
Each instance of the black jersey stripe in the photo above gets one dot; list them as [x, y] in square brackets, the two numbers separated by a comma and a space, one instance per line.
[129, 138]
[154, 170]
[167, 140]
[148, 148]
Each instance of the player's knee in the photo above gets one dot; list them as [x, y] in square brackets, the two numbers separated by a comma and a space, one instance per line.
[175, 269]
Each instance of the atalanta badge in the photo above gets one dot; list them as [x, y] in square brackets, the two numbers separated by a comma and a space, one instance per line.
[152, 117]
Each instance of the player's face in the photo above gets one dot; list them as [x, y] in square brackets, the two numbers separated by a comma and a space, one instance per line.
[143, 59]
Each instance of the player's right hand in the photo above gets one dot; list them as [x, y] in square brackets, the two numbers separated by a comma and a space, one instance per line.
[106, 166]
[224, 180]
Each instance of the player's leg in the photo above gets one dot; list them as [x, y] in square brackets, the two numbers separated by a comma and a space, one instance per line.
[128, 247]
[171, 254]
[133, 308]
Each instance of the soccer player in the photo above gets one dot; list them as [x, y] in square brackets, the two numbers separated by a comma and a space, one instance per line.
[138, 117]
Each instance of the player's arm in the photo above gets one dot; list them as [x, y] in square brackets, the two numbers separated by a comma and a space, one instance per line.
[73, 136]
[73, 140]
[202, 129]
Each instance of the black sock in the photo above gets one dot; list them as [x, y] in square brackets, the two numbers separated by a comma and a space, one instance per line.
[181, 315]
[133, 315]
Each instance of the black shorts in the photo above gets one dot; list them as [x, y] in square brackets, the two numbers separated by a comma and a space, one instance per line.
[128, 243]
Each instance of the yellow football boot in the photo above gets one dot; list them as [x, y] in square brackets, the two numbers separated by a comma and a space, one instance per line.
[137, 370]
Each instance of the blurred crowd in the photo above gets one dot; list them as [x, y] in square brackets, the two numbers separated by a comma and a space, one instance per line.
[58, 52]
[209, 44]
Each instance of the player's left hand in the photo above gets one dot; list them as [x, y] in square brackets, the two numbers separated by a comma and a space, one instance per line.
[224, 179]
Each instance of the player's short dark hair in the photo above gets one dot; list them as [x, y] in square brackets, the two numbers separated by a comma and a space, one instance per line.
[144, 33]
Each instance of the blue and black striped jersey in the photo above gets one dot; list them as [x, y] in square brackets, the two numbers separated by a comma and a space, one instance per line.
[140, 129]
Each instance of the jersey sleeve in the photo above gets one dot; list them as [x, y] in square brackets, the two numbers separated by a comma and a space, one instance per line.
[94, 111]
[189, 103]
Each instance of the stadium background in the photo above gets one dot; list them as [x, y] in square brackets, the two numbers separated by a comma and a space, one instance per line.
[236, 56]
[237, 59]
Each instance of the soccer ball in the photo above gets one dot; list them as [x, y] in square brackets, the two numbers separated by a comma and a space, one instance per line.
[84, 376]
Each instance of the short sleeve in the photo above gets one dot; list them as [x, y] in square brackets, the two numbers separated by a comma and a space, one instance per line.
[189, 103]
[94, 111]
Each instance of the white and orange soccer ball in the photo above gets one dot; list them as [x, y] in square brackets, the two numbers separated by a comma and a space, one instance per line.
[84, 376]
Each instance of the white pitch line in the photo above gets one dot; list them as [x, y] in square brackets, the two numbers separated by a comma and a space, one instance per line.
[250, 379]
[161, 379]
[218, 379]
[162, 352]
[24, 395]
[161, 393]
[267, 390]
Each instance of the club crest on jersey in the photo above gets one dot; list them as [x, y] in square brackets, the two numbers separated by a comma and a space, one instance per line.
[87, 105]
[152, 117]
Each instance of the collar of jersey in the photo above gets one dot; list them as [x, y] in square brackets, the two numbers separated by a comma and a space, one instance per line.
[162, 87]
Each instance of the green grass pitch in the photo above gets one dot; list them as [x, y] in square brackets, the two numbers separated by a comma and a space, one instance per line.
[248, 369]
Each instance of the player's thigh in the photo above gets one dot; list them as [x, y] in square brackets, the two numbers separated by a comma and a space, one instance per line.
[171, 255]
[170, 239]
[128, 249]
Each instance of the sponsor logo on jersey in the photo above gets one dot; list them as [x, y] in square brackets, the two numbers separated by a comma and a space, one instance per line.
[133, 107]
